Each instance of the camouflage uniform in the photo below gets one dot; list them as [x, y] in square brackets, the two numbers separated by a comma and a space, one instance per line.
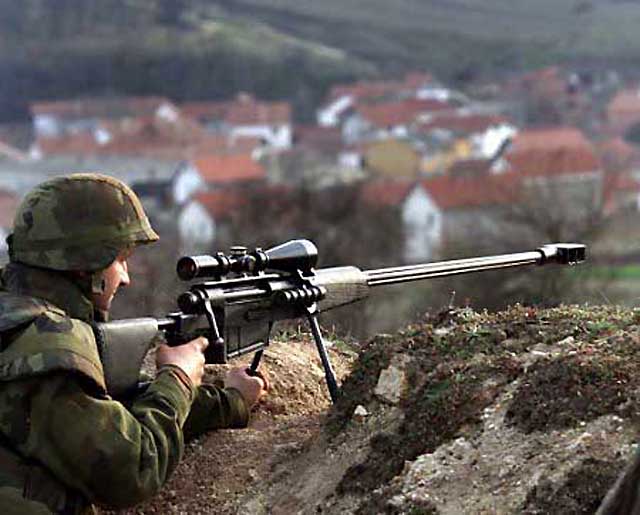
[65, 444]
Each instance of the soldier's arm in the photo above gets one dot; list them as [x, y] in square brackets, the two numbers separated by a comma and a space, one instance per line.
[215, 407]
[115, 456]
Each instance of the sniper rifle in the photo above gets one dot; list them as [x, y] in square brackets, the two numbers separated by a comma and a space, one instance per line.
[238, 298]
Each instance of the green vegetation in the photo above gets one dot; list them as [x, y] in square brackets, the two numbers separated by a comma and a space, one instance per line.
[631, 272]
[212, 49]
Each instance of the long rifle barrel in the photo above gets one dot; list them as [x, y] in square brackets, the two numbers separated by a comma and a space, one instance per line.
[561, 253]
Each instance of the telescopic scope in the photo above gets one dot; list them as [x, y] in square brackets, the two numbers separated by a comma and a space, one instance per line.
[288, 257]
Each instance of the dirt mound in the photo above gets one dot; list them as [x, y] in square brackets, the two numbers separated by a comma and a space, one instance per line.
[221, 467]
[523, 411]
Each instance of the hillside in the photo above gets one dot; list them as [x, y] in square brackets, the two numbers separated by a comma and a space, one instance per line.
[214, 48]
[522, 411]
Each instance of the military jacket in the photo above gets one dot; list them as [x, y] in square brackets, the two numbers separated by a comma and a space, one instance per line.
[65, 444]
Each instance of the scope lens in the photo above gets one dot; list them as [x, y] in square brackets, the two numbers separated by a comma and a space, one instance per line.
[186, 268]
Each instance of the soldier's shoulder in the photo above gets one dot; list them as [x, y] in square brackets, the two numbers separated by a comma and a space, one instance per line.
[49, 341]
[18, 310]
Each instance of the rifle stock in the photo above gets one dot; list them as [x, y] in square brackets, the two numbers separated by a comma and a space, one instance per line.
[237, 314]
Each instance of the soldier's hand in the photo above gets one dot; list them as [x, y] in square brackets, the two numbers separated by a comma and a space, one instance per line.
[189, 357]
[252, 388]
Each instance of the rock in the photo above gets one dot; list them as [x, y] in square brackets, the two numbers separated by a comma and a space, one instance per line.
[360, 413]
[286, 448]
[393, 381]
[567, 341]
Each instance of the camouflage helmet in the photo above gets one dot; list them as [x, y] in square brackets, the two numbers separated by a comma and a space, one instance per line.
[78, 222]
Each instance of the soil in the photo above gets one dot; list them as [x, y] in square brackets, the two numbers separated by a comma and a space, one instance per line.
[221, 467]
[522, 411]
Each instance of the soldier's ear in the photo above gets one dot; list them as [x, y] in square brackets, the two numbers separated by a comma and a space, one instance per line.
[98, 284]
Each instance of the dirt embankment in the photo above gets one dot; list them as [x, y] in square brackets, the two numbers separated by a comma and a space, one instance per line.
[523, 411]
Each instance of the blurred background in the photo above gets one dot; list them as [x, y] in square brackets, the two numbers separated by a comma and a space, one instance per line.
[387, 132]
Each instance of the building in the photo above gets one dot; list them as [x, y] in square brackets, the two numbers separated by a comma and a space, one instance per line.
[246, 117]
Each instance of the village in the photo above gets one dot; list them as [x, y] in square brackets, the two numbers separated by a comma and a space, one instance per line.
[424, 167]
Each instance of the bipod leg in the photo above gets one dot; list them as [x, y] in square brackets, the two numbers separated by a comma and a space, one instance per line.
[255, 362]
[330, 376]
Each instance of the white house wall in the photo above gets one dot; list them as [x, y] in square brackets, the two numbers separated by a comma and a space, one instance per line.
[331, 115]
[186, 183]
[46, 125]
[196, 228]
[275, 136]
[422, 220]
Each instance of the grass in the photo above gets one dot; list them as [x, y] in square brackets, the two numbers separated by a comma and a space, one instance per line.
[631, 272]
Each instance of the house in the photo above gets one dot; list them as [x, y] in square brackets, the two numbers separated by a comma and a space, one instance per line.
[442, 155]
[420, 216]
[387, 119]
[559, 164]
[56, 118]
[246, 117]
[623, 111]
[210, 219]
[344, 97]
[216, 171]
[485, 132]
[140, 137]
[552, 153]
[201, 220]
[472, 207]
[392, 158]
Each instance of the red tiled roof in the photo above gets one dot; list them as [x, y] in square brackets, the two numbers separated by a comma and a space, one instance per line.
[462, 123]
[550, 137]
[403, 112]
[363, 90]
[456, 193]
[553, 151]
[221, 204]
[250, 112]
[148, 137]
[229, 168]
[625, 102]
[385, 193]
[228, 202]
[470, 168]
[101, 107]
[243, 110]
[204, 110]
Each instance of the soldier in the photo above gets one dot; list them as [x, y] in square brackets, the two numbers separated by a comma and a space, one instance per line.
[65, 444]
